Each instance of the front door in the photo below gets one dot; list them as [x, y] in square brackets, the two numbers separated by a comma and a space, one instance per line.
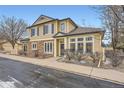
[61, 49]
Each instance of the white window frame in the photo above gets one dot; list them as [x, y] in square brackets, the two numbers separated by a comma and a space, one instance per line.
[61, 27]
[34, 32]
[84, 42]
[50, 51]
[80, 42]
[34, 48]
[90, 41]
[49, 28]
[72, 42]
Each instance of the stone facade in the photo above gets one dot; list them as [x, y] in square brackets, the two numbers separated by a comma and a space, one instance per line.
[40, 50]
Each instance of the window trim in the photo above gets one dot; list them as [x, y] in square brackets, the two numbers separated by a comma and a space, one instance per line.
[48, 51]
[34, 32]
[83, 41]
[61, 27]
[89, 37]
[52, 28]
[38, 31]
[33, 47]
[44, 32]
[91, 46]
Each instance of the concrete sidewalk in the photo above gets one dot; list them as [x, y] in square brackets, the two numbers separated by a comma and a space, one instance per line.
[104, 74]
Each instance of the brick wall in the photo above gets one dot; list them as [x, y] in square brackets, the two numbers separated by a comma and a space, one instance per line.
[40, 50]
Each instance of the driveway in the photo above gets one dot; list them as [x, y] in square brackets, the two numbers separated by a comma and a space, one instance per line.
[19, 74]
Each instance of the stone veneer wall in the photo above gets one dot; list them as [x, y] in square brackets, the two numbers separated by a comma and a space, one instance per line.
[40, 50]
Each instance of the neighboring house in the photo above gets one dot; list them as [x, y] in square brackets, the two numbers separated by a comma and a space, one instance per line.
[7, 47]
[25, 43]
[50, 37]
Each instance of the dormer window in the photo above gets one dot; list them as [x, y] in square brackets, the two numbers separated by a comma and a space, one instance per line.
[62, 27]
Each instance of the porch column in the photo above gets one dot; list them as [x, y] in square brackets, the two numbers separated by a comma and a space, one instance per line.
[93, 45]
[84, 44]
[55, 48]
[65, 43]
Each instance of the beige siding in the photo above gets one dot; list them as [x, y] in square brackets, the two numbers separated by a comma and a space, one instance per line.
[43, 20]
[41, 36]
[97, 43]
[57, 26]
[70, 26]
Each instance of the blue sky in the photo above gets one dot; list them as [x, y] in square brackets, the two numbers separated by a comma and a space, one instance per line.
[80, 14]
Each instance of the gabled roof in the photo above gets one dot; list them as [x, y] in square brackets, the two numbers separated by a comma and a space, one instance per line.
[40, 21]
[59, 34]
[41, 18]
[81, 30]
[69, 20]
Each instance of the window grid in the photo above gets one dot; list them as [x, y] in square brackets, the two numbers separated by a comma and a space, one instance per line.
[34, 46]
[79, 43]
[48, 47]
[62, 27]
[32, 32]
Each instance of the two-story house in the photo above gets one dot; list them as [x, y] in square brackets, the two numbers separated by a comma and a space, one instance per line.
[50, 37]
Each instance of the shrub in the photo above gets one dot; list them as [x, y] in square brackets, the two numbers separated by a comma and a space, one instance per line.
[21, 52]
[95, 56]
[68, 54]
[35, 53]
[115, 57]
[77, 56]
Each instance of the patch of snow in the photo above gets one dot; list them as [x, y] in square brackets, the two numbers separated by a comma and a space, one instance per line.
[83, 62]
[9, 84]
[16, 81]
[107, 62]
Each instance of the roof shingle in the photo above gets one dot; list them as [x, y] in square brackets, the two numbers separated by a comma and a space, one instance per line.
[82, 30]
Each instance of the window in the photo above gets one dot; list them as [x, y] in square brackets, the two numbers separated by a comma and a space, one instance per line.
[72, 47]
[80, 39]
[80, 47]
[32, 32]
[25, 47]
[45, 29]
[48, 29]
[34, 46]
[37, 31]
[72, 40]
[77, 44]
[88, 38]
[52, 29]
[63, 27]
[48, 47]
[89, 47]
[72, 44]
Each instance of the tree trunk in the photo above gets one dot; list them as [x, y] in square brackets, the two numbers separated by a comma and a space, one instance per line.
[13, 45]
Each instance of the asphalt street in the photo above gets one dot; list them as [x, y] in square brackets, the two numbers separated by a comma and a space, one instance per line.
[23, 75]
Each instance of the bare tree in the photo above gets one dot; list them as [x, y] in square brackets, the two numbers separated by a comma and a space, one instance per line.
[112, 16]
[12, 29]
